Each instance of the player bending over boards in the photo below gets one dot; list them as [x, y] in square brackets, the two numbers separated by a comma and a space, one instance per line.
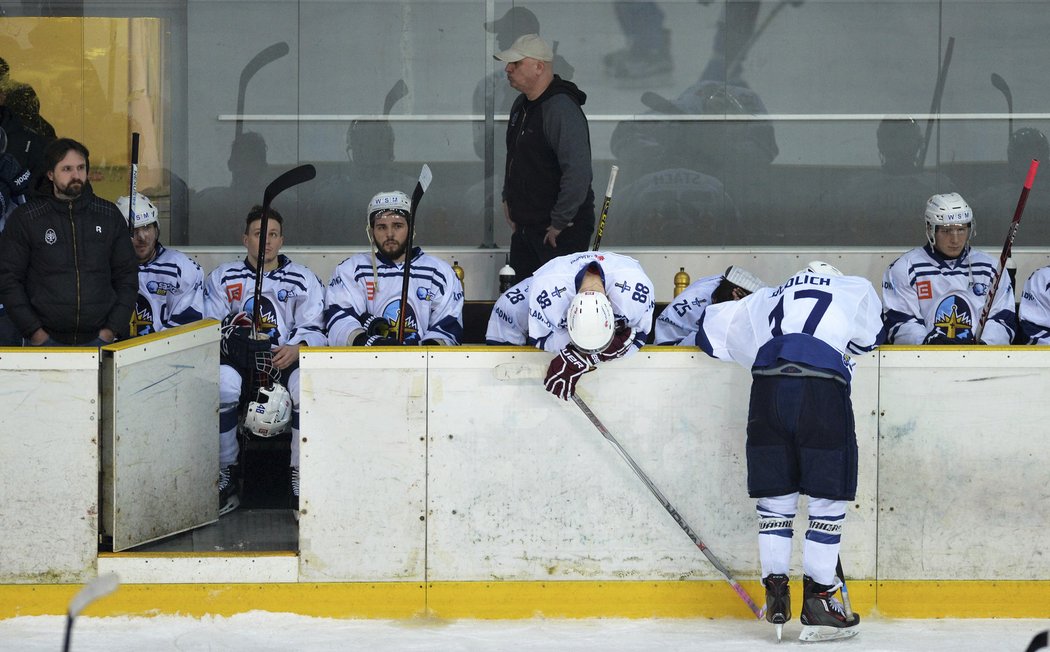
[798, 340]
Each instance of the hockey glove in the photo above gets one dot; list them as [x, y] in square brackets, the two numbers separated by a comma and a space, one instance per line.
[382, 340]
[564, 372]
[237, 347]
[620, 345]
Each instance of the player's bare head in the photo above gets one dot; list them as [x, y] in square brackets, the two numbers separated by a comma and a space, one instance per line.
[950, 223]
[256, 215]
[56, 151]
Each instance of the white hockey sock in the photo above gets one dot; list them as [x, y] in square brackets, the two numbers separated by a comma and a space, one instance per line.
[820, 551]
[775, 529]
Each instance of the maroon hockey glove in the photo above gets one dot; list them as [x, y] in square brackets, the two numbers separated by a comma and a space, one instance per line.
[620, 345]
[564, 372]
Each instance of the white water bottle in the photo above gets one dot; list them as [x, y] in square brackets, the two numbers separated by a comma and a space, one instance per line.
[506, 277]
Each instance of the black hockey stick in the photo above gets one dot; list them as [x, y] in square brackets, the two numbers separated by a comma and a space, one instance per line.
[134, 182]
[1007, 248]
[425, 177]
[292, 177]
[1039, 642]
[938, 93]
[743, 52]
[1000, 83]
[269, 55]
[660, 104]
[396, 92]
[605, 208]
[845, 591]
[759, 612]
[97, 588]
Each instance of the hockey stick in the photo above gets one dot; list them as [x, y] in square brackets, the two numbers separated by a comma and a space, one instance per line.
[759, 613]
[97, 588]
[605, 208]
[396, 92]
[1000, 83]
[1039, 642]
[425, 177]
[292, 177]
[134, 182]
[1007, 248]
[938, 93]
[845, 591]
[269, 55]
[746, 48]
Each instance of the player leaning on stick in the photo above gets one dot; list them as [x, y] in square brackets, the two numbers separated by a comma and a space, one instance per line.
[364, 296]
[589, 308]
[798, 340]
[677, 324]
[171, 284]
[291, 314]
[934, 294]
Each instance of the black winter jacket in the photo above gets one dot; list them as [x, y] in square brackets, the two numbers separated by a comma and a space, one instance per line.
[68, 267]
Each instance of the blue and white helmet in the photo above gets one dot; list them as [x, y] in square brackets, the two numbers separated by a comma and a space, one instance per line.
[270, 414]
[145, 211]
[946, 210]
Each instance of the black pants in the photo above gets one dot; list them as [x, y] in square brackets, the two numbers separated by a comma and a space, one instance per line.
[528, 251]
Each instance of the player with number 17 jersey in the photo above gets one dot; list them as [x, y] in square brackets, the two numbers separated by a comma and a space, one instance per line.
[815, 320]
[553, 286]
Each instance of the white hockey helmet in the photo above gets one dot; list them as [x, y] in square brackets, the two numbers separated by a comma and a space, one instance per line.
[145, 211]
[270, 413]
[391, 201]
[822, 268]
[742, 278]
[946, 210]
[591, 321]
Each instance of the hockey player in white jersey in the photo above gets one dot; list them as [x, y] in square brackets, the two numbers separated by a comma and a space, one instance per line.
[799, 340]
[364, 296]
[677, 323]
[1034, 312]
[588, 307]
[171, 284]
[935, 294]
[509, 320]
[292, 314]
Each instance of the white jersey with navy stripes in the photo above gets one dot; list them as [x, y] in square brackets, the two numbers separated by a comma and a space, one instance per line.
[677, 324]
[1034, 312]
[554, 285]
[435, 298]
[292, 310]
[171, 292]
[509, 321]
[923, 291]
[818, 321]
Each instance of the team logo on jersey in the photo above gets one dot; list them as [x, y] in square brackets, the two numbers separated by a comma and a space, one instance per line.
[161, 288]
[424, 294]
[980, 289]
[234, 292]
[284, 295]
[953, 318]
[142, 317]
[624, 286]
[392, 313]
[557, 291]
[267, 318]
[50, 237]
[924, 290]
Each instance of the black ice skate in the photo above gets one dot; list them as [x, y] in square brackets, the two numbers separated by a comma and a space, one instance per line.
[823, 617]
[778, 601]
[228, 499]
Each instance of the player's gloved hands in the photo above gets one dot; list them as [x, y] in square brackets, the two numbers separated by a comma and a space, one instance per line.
[564, 372]
[240, 320]
[376, 326]
[620, 345]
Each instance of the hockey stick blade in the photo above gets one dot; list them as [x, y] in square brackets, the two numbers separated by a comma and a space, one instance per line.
[1039, 641]
[396, 92]
[678, 518]
[267, 56]
[293, 177]
[425, 177]
[97, 588]
[660, 104]
[1001, 85]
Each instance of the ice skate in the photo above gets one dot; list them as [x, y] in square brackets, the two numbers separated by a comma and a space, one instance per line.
[295, 492]
[228, 499]
[778, 601]
[823, 617]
